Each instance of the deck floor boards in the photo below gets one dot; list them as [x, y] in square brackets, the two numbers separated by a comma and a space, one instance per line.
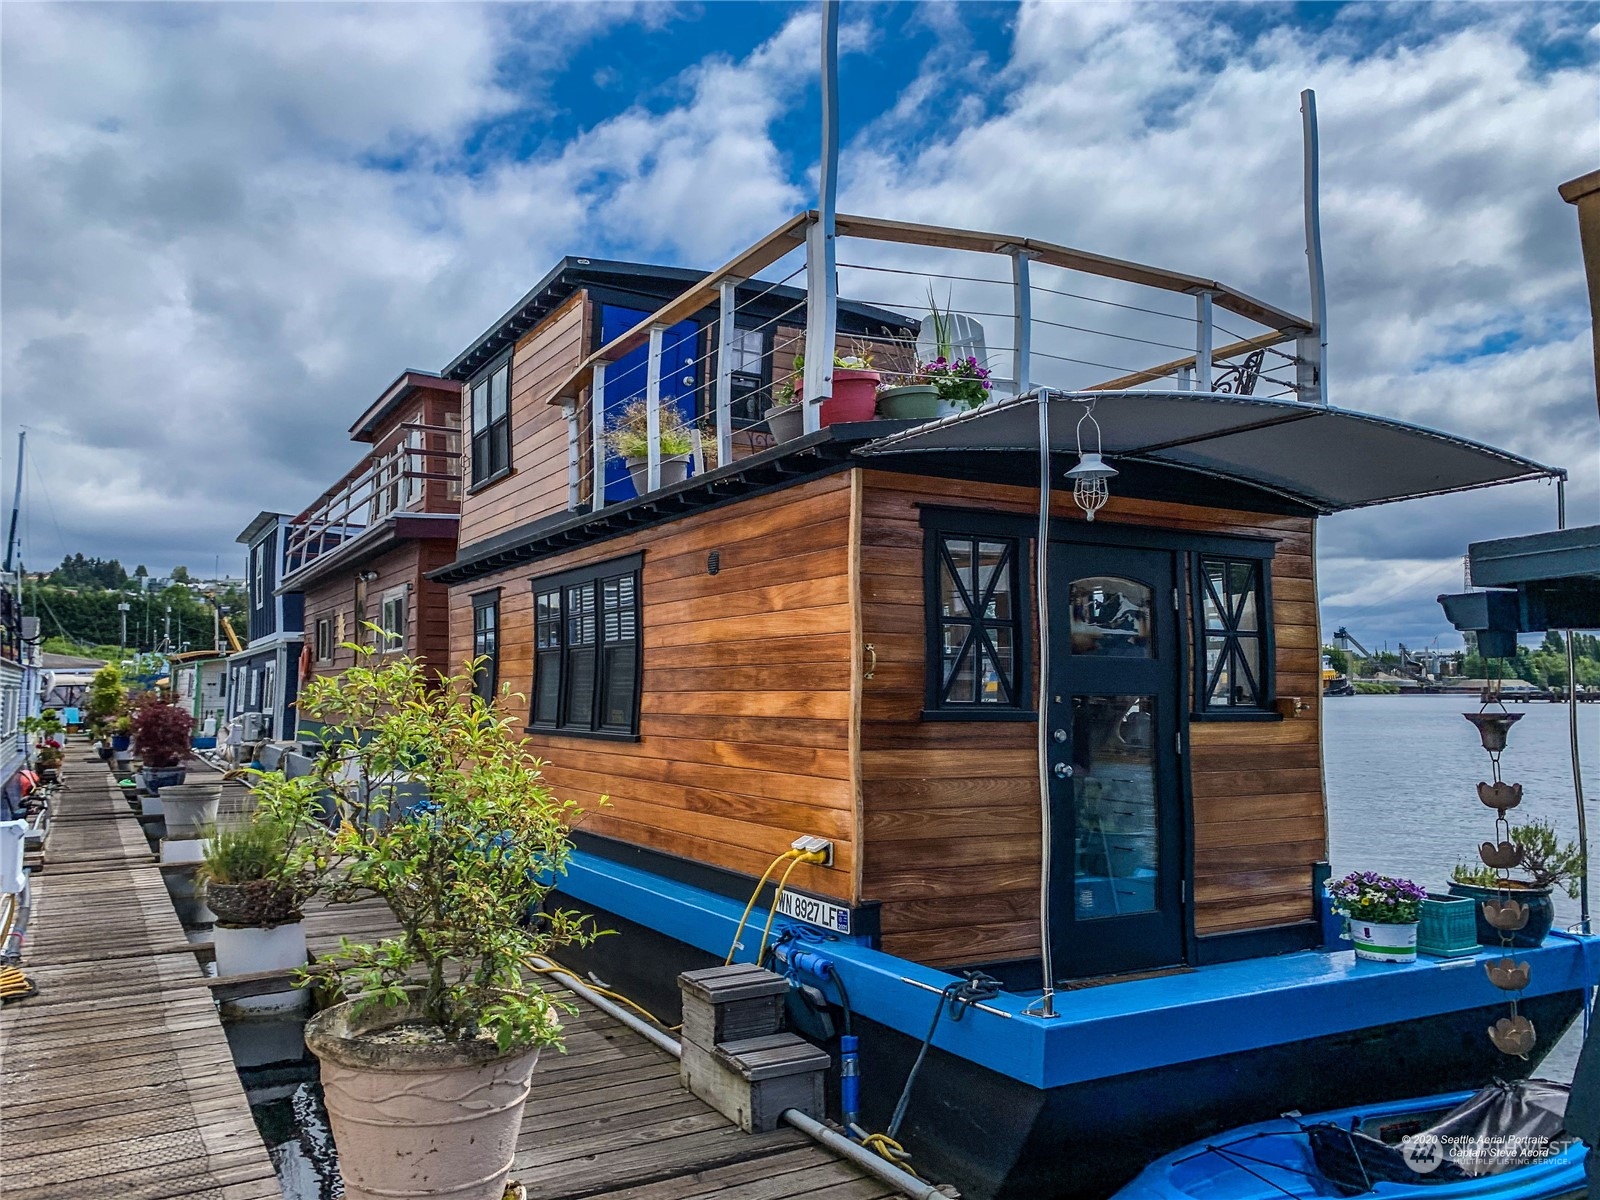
[118, 1083]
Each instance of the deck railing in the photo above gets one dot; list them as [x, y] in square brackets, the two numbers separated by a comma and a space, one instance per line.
[392, 482]
[1034, 313]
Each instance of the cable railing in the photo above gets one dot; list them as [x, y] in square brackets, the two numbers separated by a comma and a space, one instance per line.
[410, 478]
[750, 356]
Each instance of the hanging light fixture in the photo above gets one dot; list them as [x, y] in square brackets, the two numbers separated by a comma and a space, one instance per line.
[1089, 476]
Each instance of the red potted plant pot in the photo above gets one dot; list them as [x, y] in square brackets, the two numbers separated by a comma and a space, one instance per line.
[855, 397]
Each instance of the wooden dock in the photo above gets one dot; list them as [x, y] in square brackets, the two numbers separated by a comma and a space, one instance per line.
[118, 1083]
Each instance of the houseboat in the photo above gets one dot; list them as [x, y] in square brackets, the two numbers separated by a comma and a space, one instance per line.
[358, 556]
[263, 676]
[1004, 723]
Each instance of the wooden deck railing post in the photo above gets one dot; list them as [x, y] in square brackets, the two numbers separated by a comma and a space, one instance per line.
[729, 289]
[652, 408]
[597, 438]
[1202, 340]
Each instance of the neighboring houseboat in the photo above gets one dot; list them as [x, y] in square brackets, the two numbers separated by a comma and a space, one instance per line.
[19, 695]
[359, 554]
[836, 636]
[263, 677]
[199, 682]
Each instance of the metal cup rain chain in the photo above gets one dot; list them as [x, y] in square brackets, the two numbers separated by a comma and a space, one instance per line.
[1513, 1035]
[1089, 476]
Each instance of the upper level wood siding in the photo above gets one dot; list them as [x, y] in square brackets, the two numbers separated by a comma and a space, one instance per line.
[537, 484]
[745, 726]
[950, 810]
[347, 602]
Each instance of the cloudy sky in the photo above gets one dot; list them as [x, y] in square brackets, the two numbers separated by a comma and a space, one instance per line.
[226, 226]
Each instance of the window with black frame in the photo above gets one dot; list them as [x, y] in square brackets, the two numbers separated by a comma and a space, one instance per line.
[491, 423]
[977, 658]
[486, 644]
[1233, 663]
[586, 650]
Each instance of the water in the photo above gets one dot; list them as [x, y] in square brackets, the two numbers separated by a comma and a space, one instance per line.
[1402, 775]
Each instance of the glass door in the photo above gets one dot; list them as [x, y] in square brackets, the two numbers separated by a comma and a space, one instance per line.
[1117, 807]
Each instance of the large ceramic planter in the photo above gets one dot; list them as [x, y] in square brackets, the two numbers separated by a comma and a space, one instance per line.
[189, 812]
[245, 950]
[1541, 913]
[121, 741]
[262, 903]
[913, 402]
[423, 1121]
[855, 397]
[673, 470]
[156, 778]
[1377, 941]
[786, 423]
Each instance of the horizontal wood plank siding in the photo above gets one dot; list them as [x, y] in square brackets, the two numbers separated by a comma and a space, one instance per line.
[537, 484]
[744, 728]
[950, 810]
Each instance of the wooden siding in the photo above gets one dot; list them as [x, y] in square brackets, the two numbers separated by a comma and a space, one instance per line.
[356, 600]
[745, 739]
[950, 810]
[537, 484]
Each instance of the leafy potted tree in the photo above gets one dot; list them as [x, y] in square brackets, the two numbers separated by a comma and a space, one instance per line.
[1546, 862]
[426, 1070]
[629, 439]
[161, 732]
[1381, 915]
[256, 878]
[107, 698]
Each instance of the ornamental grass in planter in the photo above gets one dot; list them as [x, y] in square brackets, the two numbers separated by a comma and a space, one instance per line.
[426, 1070]
[629, 439]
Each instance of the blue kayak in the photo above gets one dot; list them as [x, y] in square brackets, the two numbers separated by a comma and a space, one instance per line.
[1502, 1143]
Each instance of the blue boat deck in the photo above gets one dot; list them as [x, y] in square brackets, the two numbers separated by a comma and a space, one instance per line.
[1120, 1027]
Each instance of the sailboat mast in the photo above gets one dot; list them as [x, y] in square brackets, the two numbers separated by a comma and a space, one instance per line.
[16, 504]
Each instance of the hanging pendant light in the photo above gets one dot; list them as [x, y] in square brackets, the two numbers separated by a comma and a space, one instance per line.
[1089, 477]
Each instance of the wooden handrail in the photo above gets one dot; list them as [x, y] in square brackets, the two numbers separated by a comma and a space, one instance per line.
[1284, 324]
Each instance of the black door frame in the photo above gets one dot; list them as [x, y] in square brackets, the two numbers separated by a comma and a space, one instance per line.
[1176, 545]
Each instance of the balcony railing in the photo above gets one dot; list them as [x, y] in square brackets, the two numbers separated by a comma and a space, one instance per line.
[1032, 313]
[411, 478]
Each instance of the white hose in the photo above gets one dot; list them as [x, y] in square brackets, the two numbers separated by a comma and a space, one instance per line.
[902, 1181]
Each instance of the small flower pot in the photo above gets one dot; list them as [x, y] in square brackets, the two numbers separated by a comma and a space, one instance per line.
[1377, 941]
[121, 741]
[786, 423]
[913, 402]
[673, 470]
[1541, 912]
[409, 1120]
[855, 397]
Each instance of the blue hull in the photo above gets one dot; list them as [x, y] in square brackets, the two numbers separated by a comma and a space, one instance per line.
[1273, 1160]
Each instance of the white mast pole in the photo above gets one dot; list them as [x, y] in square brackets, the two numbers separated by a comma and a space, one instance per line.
[16, 505]
[1312, 372]
[822, 276]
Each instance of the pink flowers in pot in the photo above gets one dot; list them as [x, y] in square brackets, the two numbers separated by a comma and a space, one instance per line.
[958, 380]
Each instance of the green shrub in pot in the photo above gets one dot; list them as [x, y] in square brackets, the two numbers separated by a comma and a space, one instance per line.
[446, 1007]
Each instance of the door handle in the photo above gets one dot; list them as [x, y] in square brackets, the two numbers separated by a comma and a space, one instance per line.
[1063, 770]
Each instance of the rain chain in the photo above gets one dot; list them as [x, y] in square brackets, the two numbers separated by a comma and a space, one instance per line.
[1513, 1035]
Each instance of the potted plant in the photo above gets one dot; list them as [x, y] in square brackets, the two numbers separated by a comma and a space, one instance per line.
[909, 398]
[256, 878]
[1380, 913]
[1545, 862]
[855, 389]
[961, 383]
[629, 439]
[161, 732]
[427, 1068]
[785, 418]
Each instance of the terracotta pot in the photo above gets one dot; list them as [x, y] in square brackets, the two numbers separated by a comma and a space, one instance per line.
[855, 397]
[673, 470]
[435, 1121]
[786, 423]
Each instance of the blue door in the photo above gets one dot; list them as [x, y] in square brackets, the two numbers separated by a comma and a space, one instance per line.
[627, 377]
